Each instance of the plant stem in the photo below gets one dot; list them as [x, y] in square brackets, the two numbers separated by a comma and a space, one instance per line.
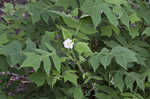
[80, 68]
[76, 61]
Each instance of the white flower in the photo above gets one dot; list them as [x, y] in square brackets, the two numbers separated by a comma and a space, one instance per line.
[68, 43]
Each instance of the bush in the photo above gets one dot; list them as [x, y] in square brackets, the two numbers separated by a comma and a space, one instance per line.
[75, 49]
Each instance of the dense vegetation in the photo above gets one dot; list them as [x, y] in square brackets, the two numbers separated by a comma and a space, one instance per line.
[74, 49]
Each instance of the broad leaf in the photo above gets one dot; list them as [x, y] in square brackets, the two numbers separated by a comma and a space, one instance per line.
[56, 61]
[131, 78]
[93, 9]
[105, 57]
[70, 76]
[66, 33]
[118, 80]
[124, 56]
[32, 60]
[38, 78]
[82, 48]
[77, 93]
[14, 53]
[95, 62]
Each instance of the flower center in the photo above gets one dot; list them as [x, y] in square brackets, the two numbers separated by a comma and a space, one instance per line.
[68, 43]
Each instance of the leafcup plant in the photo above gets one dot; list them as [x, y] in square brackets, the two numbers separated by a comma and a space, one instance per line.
[75, 49]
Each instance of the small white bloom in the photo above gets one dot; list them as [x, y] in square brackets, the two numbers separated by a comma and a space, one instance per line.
[23, 14]
[68, 43]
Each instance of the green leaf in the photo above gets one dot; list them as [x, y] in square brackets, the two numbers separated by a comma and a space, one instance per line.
[35, 17]
[116, 2]
[51, 35]
[93, 9]
[77, 93]
[128, 95]
[45, 17]
[118, 80]
[134, 32]
[2, 28]
[3, 39]
[32, 60]
[75, 12]
[106, 31]
[134, 18]
[9, 9]
[36, 11]
[90, 8]
[82, 48]
[95, 62]
[102, 96]
[105, 57]
[82, 26]
[50, 47]
[56, 61]
[14, 53]
[30, 46]
[108, 90]
[66, 3]
[66, 33]
[144, 13]
[125, 19]
[4, 65]
[124, 56]
[47, 64]
[146, 31]
[111, 17]
[3, 97]
[38, 78]
[131, 78]
[70, 75]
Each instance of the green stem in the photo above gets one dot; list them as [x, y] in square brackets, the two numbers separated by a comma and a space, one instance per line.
[76, 61]
[80, 67]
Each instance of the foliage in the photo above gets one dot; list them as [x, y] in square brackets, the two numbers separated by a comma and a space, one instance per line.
[109, 58]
